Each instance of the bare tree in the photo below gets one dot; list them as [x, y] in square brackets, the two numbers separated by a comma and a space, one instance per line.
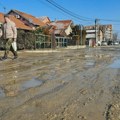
[115, 36]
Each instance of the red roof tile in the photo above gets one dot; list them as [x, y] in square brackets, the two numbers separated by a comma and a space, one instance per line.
[1, 17]
[44, 19]
[28, 17]
[60, 26]
[19, 24]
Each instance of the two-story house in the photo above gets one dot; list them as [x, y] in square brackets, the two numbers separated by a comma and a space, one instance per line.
[102, 33]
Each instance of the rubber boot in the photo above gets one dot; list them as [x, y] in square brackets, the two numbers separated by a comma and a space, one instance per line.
[5, 56]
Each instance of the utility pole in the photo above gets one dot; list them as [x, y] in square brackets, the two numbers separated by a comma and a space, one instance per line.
[80, 28]
[96, 30]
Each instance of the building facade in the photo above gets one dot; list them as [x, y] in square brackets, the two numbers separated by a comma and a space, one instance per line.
[96, 34]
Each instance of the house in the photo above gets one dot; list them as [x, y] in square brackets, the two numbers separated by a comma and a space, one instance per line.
[98, 34]
[62, 28]
[1, 18]
[44, 19]
[107, 32]
[27, 19]
[93, 35]
[19, 24]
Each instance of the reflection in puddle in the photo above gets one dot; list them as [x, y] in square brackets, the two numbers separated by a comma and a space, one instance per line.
[115, 64]
[30, 84]
[2, 94]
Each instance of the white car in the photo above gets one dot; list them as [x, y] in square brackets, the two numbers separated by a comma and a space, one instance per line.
[116, 43]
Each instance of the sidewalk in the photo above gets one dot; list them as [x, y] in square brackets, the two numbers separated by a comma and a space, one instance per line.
[49, 50]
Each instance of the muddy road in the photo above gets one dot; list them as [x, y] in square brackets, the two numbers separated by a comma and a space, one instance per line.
[77, 84]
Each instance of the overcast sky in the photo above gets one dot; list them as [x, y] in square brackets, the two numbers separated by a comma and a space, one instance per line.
[87, 10]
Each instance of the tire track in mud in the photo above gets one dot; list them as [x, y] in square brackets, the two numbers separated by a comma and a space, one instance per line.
[54, 90]
[70, 65]
[113, 109]
[51, 91]
[11, 110]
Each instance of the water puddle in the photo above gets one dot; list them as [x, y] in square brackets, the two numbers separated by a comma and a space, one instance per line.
[90, 64]
[24, 86]
[30, 84]
[115, 64]
[2, 94]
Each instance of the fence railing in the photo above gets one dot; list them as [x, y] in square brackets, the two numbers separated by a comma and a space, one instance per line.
[45, 41]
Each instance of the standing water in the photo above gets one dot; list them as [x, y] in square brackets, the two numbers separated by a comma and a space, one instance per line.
[2, 94]
[115, 64]
[30, 84]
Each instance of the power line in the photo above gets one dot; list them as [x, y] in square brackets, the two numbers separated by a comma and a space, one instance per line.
[110, 20]
[71, 11]
[66, 15]
[68, 12]
[76, 16]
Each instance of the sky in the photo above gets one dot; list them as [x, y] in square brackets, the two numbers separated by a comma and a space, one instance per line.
[83, 11]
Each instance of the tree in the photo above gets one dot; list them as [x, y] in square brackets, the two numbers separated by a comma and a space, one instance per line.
[115, 36]
[79, 34]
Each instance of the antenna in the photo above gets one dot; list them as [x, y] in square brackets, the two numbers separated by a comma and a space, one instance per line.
[3, 7]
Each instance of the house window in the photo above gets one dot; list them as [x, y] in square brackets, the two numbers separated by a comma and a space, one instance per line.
[30, 20]
[17, 16]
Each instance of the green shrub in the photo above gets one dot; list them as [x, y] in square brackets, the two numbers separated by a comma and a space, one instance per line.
[26, 39]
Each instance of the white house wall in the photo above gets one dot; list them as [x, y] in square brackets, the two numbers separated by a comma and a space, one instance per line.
[68, 30]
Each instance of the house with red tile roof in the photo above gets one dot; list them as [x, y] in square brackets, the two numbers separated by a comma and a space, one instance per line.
[44, 19]
[1, 18]
[19, 24]
[27, 19]
[61, 27]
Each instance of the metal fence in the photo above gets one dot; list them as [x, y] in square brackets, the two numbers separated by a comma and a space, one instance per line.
[45, 41]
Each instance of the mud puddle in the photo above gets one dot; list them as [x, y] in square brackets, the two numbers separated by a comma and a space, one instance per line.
[24, 86]
[89, 64]
[31, 84]
[115, 64]
[2, 94]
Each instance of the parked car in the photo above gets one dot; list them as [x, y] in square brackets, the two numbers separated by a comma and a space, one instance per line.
[110, 42]
[104, 43]
[115, 43]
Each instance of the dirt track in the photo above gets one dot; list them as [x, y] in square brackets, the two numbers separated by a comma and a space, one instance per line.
[79, 84]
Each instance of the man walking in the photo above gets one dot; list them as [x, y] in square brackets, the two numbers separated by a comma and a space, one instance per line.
[9, 35]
